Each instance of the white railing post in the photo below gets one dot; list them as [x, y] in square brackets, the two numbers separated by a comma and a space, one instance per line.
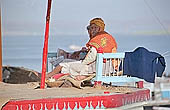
[99, 64]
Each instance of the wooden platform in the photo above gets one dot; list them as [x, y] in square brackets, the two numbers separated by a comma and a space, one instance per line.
[24, 96]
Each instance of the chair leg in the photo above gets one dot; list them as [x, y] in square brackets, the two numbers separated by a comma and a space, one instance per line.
[139, 84]
[98, 84]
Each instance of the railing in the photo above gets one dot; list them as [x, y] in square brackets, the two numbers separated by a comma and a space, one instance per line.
[114, 72]
[51, 55]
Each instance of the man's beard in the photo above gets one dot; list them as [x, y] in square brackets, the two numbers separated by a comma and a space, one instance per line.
[93, 34]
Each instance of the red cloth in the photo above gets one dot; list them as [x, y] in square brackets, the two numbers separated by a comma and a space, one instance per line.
[57, 76]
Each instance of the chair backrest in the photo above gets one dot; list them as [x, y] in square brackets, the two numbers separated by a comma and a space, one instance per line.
[51, 55]
[115, 61]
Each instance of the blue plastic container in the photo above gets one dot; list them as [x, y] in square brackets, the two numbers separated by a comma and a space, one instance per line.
[165, 94]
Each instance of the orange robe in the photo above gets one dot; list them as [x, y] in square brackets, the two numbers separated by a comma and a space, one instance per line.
[105, 41]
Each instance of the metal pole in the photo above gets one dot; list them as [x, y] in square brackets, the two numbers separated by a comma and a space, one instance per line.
[45, 49]
[0, 48]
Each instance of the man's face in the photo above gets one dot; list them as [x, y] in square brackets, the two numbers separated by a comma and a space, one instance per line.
[93, 30]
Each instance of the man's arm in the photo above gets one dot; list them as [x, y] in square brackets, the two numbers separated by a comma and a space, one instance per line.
[91, 56]
[76, 54]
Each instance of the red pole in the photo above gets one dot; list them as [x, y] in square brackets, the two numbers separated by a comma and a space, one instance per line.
[45, 49]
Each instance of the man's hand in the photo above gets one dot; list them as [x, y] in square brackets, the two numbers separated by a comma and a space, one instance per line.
[76, 54]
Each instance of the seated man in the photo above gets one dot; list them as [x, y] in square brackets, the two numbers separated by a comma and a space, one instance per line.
[98, 39]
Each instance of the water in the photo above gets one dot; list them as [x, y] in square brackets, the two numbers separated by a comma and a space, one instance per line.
[26, 51]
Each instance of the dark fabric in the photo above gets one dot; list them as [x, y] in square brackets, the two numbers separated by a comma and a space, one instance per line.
[143, 64]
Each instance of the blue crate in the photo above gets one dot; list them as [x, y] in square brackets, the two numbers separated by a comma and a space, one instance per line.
[165, 94]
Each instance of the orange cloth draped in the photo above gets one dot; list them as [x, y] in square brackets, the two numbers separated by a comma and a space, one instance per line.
[107, 42]
[104, 40]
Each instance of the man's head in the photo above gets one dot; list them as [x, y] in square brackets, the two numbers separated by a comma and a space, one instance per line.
[96, 25]
[99, 22]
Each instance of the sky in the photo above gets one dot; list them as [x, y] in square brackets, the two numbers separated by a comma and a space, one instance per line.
[70, 17]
